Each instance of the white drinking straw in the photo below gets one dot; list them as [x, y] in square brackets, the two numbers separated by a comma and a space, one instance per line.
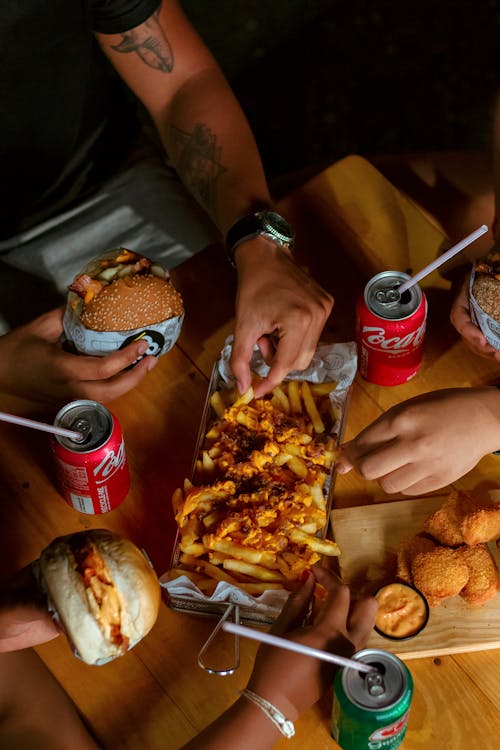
[273, 640]
[472, 237]
[40, 426]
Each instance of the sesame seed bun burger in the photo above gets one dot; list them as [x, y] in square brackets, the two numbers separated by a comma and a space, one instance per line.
[486, 285]
[484, 296]
[119, 298]
[102, 590]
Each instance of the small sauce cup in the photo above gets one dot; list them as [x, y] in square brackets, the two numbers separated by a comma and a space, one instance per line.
[403, 611]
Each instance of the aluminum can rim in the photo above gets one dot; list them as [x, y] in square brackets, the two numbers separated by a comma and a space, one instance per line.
[394, 669]
[102, 429]
[378, 309]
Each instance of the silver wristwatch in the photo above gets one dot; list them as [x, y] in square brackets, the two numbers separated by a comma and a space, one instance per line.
[267, 223]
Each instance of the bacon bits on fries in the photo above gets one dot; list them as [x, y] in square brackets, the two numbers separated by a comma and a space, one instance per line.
[253, 516]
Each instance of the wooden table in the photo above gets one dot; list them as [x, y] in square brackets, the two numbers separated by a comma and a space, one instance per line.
[160, 697]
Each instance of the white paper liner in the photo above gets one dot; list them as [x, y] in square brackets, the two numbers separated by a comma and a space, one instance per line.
[330, 362]
[270, 603]
[161, 336]
[488, 325]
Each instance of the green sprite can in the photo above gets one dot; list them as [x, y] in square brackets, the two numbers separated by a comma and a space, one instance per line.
[370, 710]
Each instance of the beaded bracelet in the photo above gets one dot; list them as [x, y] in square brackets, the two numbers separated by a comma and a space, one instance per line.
[285, 726]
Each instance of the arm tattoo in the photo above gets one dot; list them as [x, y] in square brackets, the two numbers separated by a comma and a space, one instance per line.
[197, 159]
[150, 43]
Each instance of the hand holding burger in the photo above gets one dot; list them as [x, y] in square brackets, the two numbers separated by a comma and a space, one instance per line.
[484, 297]
[102, 590]
[119, 298]
[486, 284]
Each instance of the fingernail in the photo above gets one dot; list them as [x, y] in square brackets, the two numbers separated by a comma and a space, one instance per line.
[151, 362]
[143, 347]
[320, 592]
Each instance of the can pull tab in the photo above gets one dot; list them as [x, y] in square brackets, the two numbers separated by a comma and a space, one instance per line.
[83, 427]
[386, 296]
[375, 683]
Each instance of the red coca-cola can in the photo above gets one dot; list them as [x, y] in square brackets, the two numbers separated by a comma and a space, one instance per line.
[390, 329]
[93, 472]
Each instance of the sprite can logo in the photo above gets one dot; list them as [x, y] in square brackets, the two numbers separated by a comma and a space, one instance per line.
[384, 737]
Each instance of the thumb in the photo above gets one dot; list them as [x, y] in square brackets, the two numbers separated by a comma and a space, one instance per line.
[296, 607]
[343, 465]
[240, 362]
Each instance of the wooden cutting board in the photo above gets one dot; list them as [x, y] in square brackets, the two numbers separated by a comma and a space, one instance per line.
[368, 537]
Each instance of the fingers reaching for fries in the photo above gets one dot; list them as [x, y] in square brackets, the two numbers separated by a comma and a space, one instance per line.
[257, 506]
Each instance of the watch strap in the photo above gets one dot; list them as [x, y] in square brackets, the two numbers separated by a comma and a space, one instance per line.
[247, 228]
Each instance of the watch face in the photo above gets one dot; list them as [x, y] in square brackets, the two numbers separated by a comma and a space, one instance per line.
[277, 225]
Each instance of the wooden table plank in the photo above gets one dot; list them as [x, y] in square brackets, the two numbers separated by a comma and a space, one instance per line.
[449, 710]
[207, 283]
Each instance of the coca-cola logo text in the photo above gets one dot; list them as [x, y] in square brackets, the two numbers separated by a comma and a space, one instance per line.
[375, 338]
[110, 464]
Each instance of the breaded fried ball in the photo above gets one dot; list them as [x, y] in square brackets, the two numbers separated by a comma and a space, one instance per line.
[439, 573]
[484, 579]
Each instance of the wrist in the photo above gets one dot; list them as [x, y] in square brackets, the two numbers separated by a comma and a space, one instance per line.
[488, 403]
[267, 224]
[284, 725]
[275, 697]
[249, 718]
[258, 251]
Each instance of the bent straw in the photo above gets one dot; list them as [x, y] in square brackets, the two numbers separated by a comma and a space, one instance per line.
[273, 640]
[40, 426]
[443, 258]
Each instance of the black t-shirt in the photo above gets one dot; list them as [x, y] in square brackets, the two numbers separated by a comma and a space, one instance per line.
[66, 118]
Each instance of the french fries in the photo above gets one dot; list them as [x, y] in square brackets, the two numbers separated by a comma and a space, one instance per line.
[253, 513]
[256, 571]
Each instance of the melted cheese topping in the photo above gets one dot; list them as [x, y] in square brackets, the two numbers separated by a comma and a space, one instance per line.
[102, 596]
[401, 610]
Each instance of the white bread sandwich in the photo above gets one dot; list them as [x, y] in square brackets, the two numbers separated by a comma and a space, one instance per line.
[103, 590]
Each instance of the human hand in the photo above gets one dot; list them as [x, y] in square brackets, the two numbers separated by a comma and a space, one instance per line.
[24, 618]
[34, 365]
[426, 442]
[341, 624]
[460, 318]
[276, 301]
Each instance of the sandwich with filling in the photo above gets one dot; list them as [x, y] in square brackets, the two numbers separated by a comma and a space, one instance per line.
[102, 590]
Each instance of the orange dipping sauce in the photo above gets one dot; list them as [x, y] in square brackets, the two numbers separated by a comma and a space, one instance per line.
[402, 611]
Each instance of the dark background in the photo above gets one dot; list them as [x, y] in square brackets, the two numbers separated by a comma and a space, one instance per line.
[319, 79]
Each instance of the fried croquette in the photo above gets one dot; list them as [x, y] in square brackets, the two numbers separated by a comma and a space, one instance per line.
[408, 547]
[481, 525]
[445, 524]
[484, 579]
[439, 573]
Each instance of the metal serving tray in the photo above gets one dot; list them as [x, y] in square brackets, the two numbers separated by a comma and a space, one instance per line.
[250, 614]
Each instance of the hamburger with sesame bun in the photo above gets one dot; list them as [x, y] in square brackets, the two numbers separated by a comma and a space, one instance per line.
[484, 296]
[117, 299]
[486, 285]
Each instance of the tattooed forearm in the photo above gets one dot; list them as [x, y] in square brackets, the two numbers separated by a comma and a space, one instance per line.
[197, 159]
[150, 43]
